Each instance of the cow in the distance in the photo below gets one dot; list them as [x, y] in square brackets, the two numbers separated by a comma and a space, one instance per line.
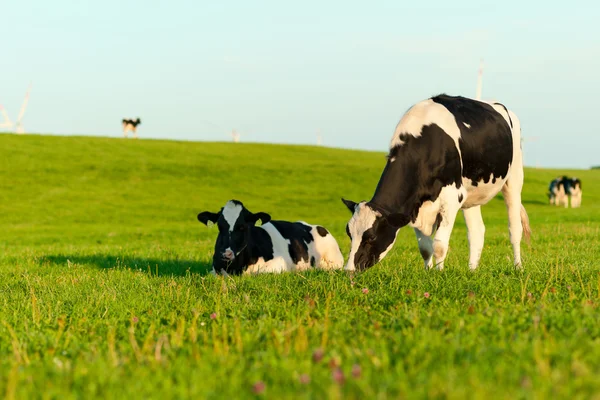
[556, 191]
[274, 246]
[564, 188]
[447, 153]
[576, 192]
[131, 125]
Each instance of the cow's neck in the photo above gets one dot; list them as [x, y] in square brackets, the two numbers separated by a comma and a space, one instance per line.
[397, 190]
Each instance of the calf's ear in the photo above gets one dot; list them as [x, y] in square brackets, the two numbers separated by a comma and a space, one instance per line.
[350, 204]
[264, 218]
[207, 216]
[398, 220]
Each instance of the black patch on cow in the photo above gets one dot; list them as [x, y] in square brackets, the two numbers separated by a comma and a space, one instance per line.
[299, 236]
[487, 146]
[460, 197]
[134, 122]
[322, 231]
[313, 262]
[438, 220]
[423, 166]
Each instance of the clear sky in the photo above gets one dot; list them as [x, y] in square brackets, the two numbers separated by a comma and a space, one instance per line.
[280, 71]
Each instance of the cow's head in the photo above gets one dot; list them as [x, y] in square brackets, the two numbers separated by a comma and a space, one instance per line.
[232, 247]
[372, 232]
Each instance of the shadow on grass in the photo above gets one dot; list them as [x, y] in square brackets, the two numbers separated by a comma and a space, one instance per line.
[155, 267]
[538, 202]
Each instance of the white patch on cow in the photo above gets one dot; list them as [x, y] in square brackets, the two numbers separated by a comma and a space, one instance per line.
[324, 249]
[231, 212]
[483, 192]
[467, 125]
[363, 218]
[425, 113]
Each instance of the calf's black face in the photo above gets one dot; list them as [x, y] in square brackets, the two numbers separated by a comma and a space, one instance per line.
[235, 224]
[372, 233]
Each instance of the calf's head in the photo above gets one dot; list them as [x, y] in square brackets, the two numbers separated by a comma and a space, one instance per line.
[232, 247]
[372, 232]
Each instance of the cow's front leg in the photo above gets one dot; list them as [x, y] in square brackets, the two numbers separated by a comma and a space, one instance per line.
[475, 234]
[442, 237]
[425, 247]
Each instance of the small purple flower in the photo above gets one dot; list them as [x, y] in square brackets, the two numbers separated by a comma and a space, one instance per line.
[213, 316]
[356, 371]
[318, 355]
[338, 376]
[135, 320]
[304, 379]
[426, 294]
[365, 290]
[259, 387]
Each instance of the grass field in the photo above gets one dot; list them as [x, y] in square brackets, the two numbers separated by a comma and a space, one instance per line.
[104, 291]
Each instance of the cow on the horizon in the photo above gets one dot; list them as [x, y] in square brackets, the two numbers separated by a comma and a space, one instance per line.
[564, 188]
[274, 246]
[447, 154]
[131, 125]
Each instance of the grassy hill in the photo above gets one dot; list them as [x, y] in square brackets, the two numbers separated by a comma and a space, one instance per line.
[104, 293]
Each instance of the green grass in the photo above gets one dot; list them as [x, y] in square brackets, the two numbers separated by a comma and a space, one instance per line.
[104, 292]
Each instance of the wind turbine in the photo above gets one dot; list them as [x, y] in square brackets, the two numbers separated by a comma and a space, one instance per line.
[479, 81]
[19, 123]
[319, 137]
[7, 123]
[235, 136]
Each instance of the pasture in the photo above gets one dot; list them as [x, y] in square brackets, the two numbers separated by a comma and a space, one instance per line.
[104, 291]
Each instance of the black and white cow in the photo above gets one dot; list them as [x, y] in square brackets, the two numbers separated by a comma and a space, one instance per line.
[275, 246]
[576, 192]
[447, 154]
[131, 125]
[564, 188]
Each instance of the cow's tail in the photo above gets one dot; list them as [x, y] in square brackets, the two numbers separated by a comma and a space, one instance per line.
[525, 224]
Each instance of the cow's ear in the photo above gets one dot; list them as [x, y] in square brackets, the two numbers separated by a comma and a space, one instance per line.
[207, 216]
[350, 204]
[264, 218]
[398, 220]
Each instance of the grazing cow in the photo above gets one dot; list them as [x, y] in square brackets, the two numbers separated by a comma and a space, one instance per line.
[564, 188]
[131, 125]
[447, 153]
[575, 192]
[559, 191]
[275, 246]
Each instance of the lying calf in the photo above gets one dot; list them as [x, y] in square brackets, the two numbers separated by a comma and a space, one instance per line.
[275, 246]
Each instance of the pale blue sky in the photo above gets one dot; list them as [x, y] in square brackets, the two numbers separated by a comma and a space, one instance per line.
[279, 71]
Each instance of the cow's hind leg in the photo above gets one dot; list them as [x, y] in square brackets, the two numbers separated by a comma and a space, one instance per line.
[516, 213]
[475, 234]
[425, 247]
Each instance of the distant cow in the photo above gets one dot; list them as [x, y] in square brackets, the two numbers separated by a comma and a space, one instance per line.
[275, 246]
[447, 153]
[564, 188]
[131, 125]
[576, 192]
[556, 191]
